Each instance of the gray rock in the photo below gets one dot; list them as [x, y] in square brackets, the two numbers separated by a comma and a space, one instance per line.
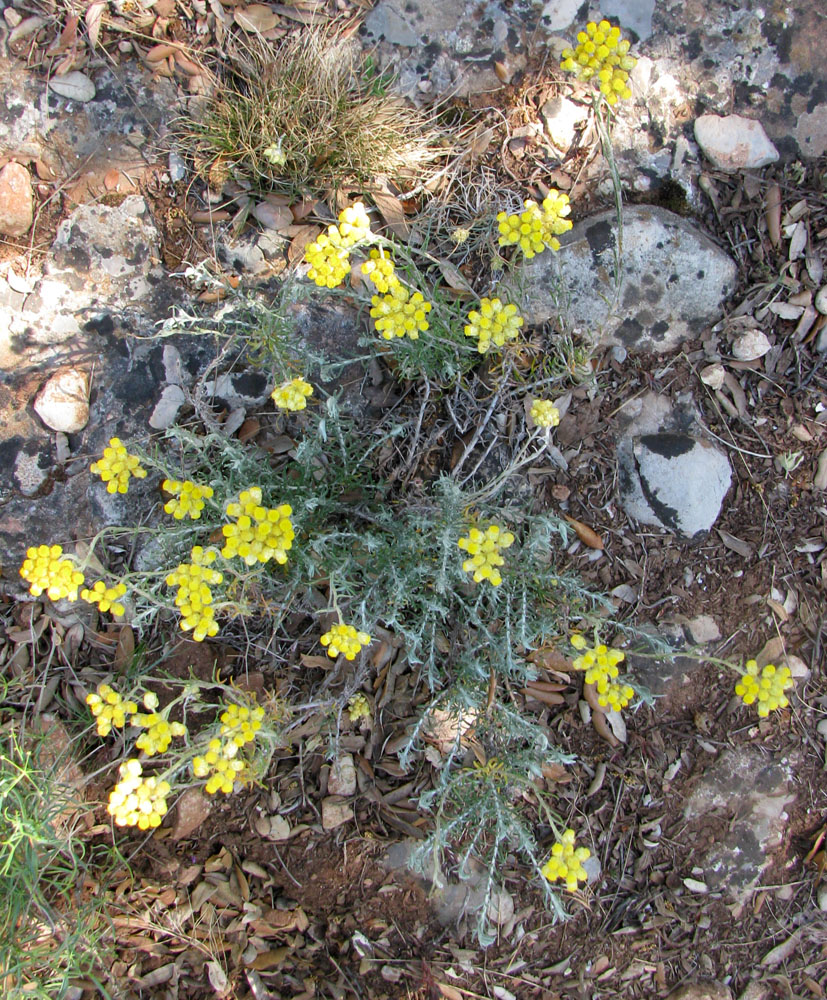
[701, 991]
[753, 788]
[673, 280]
[657, 670]
[335, 812]
[634, 15]
[63, 402]
[16, 200]
[167, 408]
[734, 143]
[703, 628]
[342, 777]
[190, 812]
[559, 14]
[177, 167]
[670, 475]
[810, 131]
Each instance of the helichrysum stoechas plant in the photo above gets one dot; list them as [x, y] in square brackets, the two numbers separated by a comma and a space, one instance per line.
[544, 413]
[400, 313]
[603, 55]
[380, 271]
[117, 467]
[600, 663]
[259, 533]
[346, 639]
[109, 708]
[187, 498]
[493, 323]
[765, 687]
[159, 730]
[566, 862]
[292, 395]
[47, 572]
[194, 597]
[106, 598]
[484, 548]
[536, 227]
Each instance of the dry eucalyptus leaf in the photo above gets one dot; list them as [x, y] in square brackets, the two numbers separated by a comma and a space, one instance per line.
[218, 978]
[74, 86]
[453, 277]
[393, 213]
[743, 548]
[586, 534]
[256, 17]
[820, 478]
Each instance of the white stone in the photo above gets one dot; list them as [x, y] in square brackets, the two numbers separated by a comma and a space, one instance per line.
[750, 345]
[74, 86]
[192, 809]
[562, 117]
[674, 481]
[342, 777]
[734, 143]
[703, 628]
[713, 376]
[167, 408]
[63, 402]
[335, 812]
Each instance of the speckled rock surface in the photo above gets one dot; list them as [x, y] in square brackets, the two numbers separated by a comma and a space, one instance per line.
[674, 280]
[754, 790]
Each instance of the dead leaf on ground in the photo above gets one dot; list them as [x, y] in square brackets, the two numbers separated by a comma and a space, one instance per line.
[302, 235]
[393, 213]
[588, 536]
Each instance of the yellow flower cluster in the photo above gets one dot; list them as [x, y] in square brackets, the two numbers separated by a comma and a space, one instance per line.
[344, 639]
[566, 862]
[544, 413]
[767, 687]
[354, 224]
[220, 765]
[109, 708]
[188, 498]
[259, 533]
[484, 548]
[603, 54]
[536, 228]
[117, 466]
[240, 724]
[358, 708]
[328, 259]
[493, 323]
[138, 801]
[45, 570]
[105, 597]
[194, 597]
[380, 270]
[601, 665]
[159, 732]
[328, 255]
[399, 313]
[292, 395]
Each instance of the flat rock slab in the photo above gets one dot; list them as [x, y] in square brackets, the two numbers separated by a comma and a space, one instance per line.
[755, 789]
[732, 142]
[673, 283]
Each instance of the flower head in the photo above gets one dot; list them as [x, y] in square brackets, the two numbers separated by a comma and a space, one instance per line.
[292, 395]
[601, 54]
[344, 639]
[194, 597]
[159, 732]
[544, 413]
[484, 547]
[380, 270]
[109, 708]
[600, 663]
[354, 224]
[117, 466]
[493, 323]
[259, 533]
[187, 498]
[106, 598]
[536, 227]
[220, 764]
[138, 801]
[358, 708]
[400, 313]
[328, 259]
[239, 724]
[766, 687]
[45, 570]
[566, 862]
